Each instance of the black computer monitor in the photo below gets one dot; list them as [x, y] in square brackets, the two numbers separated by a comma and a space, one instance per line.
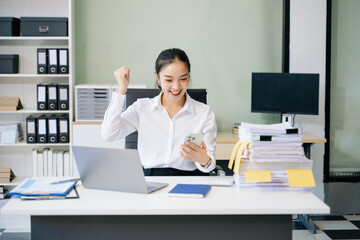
[289, 93]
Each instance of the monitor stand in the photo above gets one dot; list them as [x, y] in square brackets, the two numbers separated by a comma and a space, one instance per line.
[287, 118]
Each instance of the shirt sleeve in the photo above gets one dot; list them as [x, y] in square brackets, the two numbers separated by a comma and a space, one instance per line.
[210, 131]
[117, 124]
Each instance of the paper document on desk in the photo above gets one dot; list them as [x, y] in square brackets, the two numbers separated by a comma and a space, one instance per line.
[42, 187]
[71, 195]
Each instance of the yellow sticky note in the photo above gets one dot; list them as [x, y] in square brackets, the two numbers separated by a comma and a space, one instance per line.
[300, 177]
[257, 176]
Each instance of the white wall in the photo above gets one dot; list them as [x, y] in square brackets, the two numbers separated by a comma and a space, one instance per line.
[308, 55]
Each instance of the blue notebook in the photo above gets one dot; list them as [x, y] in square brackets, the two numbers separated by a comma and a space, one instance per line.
[190, 190]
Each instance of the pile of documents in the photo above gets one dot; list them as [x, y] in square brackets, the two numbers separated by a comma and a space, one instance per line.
[271, 157]
[11, 133]
[272, 143]
[50, 162]
[33, 188]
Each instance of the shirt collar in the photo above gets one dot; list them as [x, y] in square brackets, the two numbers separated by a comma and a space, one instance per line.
[188, 106]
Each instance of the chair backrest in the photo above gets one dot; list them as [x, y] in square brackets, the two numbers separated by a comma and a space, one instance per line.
[133, 94]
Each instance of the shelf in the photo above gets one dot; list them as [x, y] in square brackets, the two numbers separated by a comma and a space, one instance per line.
[24, 144]
[21, 75]
[34, 38]
[16, 181]
[24, 110]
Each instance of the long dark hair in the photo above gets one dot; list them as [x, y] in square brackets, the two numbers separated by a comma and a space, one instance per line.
[168, 56]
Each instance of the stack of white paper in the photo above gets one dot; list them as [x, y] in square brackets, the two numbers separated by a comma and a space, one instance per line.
[272, 143]
[273, 159]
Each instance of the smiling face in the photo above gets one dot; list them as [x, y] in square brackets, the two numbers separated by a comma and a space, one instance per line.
[174, 80]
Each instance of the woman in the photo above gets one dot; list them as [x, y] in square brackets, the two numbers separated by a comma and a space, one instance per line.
[164, 121]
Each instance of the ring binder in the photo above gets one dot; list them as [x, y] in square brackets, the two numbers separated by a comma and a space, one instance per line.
[42, 56]
[42, 129]
[52, 99]
[63, 97]
[41, 97]
[31, 129]
[53, 129]
[63, 61]
[53, 61]
[63, 128]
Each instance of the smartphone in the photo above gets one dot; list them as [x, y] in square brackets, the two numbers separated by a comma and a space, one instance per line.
[195, 138]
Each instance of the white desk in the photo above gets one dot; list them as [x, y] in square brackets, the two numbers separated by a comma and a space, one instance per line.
[225, 212]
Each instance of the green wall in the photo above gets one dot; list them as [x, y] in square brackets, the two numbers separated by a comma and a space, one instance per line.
[225, 40]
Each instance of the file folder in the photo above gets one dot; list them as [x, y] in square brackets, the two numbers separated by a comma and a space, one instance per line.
[31, 129]
[53, 61]
[52, 101]
[42, 56]
[63, 128]
[63, 61]
[53, 129]
[41, 96]
[63, 97]
[42, 129]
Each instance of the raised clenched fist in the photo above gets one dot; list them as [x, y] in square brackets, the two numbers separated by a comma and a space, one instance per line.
[122, 76]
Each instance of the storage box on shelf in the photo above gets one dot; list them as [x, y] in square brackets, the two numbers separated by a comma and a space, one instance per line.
[9, 26]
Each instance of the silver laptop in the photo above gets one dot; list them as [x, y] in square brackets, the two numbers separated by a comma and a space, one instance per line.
[112, 169]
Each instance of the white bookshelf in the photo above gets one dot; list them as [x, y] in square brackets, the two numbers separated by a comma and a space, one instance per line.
[19, 156]
[24, 83]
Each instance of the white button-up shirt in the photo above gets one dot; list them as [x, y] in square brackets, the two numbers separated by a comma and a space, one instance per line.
[159, 136]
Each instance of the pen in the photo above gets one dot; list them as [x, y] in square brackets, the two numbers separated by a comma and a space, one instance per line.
[65, 181]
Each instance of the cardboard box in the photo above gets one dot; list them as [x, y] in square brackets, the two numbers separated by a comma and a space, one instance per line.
[10, 104]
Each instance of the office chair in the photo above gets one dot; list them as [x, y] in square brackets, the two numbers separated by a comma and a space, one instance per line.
[133, 94]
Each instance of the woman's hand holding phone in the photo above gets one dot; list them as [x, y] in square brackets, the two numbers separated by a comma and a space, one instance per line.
[194, 149]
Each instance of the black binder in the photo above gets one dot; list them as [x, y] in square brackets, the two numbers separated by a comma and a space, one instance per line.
[42, 129]
[53, 129]
[41, 96]
[63, 128]
[52, 97]
[31, 129]
[42, 59]
[63, 97]
[63, 60]
[53, 61]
